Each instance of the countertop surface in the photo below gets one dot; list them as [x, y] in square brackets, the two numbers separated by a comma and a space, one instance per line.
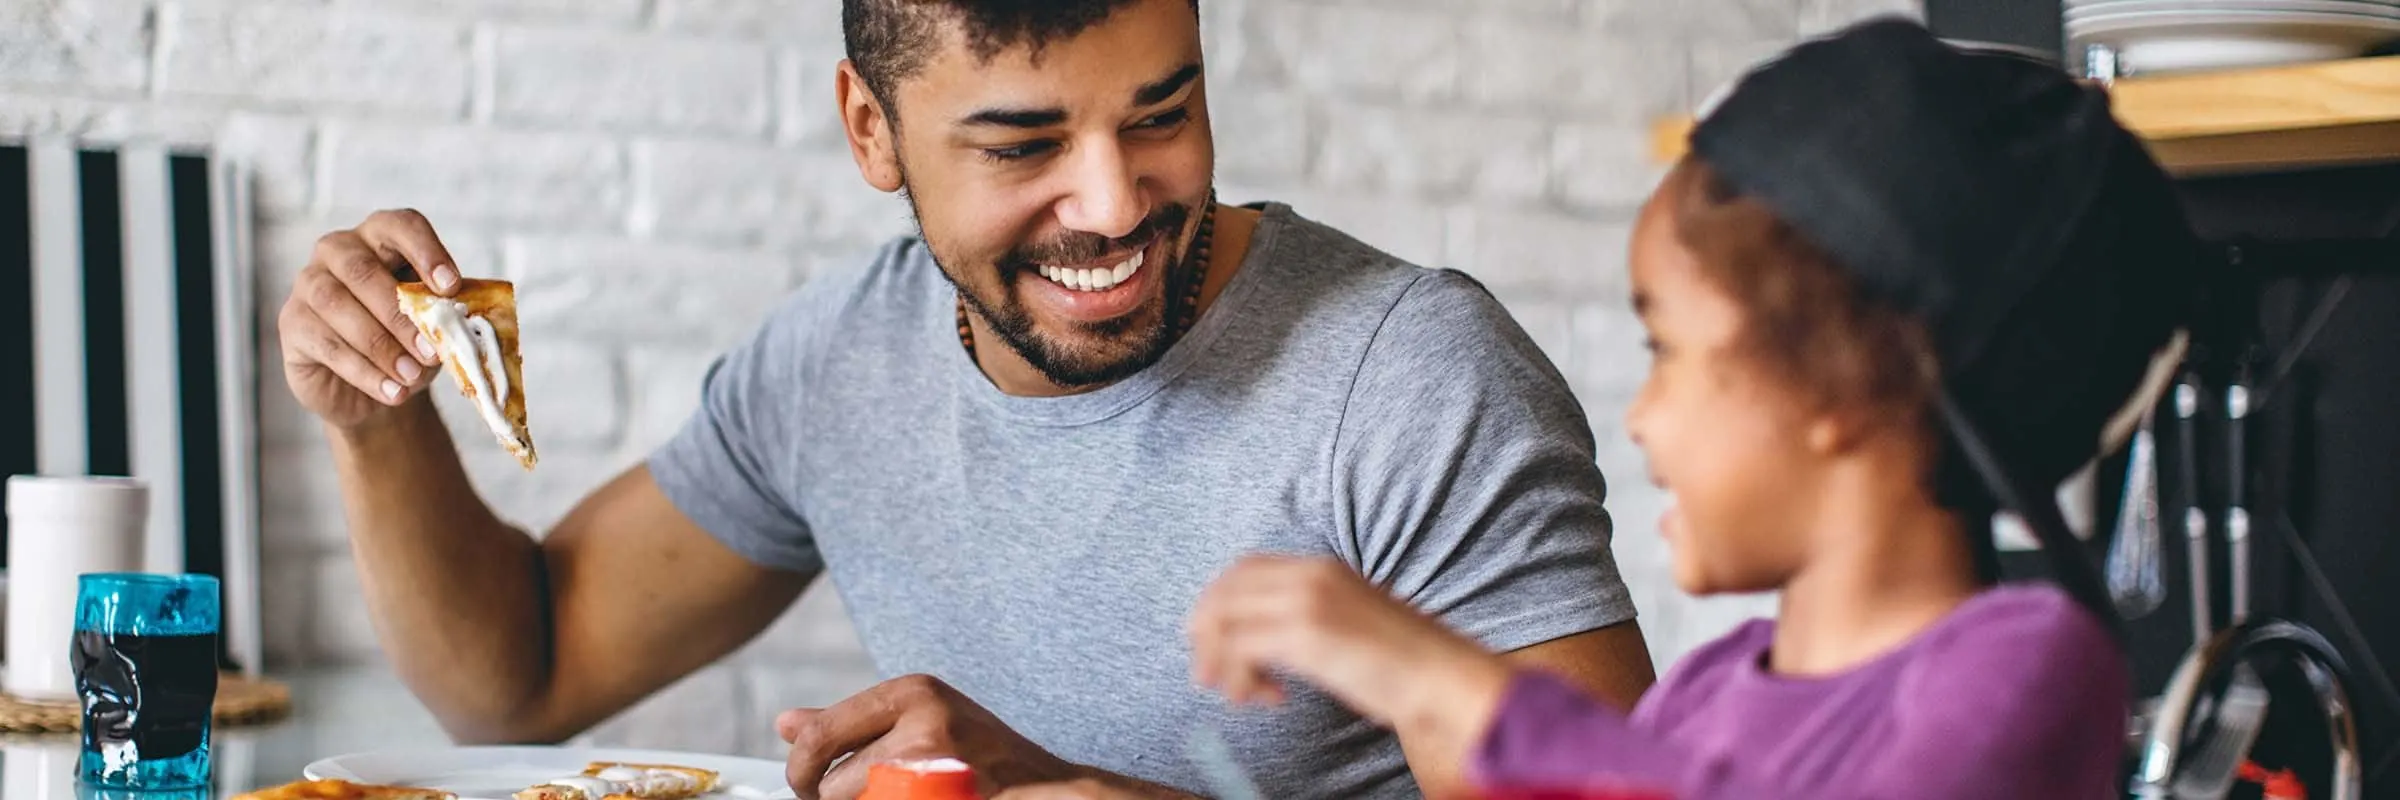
[334, 711]
[2330, 113]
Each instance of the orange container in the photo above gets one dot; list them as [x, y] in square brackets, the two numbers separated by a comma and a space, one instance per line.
[935, 779]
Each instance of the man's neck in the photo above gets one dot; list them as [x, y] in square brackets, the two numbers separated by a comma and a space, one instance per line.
[1889, 565]
[1014, 375]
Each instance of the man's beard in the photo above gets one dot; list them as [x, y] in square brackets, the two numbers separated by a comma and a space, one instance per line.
[1128, 344]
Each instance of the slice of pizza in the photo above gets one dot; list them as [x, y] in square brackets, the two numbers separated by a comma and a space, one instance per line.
[608, 780]
[330, 789]
[476, 333]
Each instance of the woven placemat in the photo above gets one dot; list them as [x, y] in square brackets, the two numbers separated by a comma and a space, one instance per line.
[240, 701]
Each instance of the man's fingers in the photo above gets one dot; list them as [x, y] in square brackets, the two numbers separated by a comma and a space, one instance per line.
[368, 277]
[848, 779]
[787, 724]
[403, 235]
[312, 338]
[821, 737]
[358, 326]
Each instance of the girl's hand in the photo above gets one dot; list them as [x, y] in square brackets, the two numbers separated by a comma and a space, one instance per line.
[1325, 624]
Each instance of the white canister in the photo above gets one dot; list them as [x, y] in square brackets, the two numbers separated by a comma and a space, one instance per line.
[60, 527]
[35, 768]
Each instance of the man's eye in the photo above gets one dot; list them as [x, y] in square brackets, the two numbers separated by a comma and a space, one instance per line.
[1017, 152]
[1166, 120]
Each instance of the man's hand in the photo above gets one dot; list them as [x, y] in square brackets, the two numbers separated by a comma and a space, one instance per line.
[1325, 624]
[912, 717]
[349, 353]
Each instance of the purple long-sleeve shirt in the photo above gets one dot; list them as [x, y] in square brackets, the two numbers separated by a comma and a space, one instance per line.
[2018, 693]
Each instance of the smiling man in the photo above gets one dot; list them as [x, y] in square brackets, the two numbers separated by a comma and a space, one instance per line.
[1019, 442]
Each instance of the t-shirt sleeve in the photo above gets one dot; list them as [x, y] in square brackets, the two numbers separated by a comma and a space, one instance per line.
[729, 467]
[2025, 705]
[1465, 475]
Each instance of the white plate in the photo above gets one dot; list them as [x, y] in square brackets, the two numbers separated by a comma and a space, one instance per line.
[2314, 24]
[495, 773]
[2166, 41]
[2348, 7]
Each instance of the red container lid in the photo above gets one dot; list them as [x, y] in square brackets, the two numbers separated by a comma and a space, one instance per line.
[933, 779]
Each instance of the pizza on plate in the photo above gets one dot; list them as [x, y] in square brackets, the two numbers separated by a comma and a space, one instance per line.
[331, 789]
[609, 780]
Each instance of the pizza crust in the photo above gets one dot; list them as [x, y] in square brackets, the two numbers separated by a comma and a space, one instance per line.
[330, 789]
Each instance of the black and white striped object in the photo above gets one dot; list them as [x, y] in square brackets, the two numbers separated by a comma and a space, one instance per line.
[126, 347]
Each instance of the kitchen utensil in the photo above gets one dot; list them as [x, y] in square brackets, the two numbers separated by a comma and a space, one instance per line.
[2233, 726]
[2136, 566]
[2240, 713]
[2237, 512]
[2195, 521]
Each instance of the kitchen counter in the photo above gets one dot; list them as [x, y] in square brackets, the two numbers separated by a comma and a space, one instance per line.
[2324, 114]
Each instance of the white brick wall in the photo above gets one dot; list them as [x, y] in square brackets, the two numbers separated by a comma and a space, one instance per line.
[601, 151]
[642, 81]
[278, 53]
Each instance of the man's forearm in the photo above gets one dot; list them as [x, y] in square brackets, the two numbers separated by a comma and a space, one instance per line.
[456, 594]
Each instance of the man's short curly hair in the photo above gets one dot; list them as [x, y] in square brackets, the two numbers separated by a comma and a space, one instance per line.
[890, 40]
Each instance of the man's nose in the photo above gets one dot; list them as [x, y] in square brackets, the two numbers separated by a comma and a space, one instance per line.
[1105, 198]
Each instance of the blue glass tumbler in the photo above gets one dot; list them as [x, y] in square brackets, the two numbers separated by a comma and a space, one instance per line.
[145, 659]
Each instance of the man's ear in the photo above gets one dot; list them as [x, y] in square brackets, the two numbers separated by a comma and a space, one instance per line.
[874, 140]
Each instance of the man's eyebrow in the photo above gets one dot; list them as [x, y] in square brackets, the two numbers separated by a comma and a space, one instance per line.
[1158, 91]
[1014, 118]
[1152, 93]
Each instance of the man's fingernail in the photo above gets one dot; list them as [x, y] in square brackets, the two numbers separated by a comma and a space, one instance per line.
[391, 391]
[444, 277]
[425, 346]
[409, 371]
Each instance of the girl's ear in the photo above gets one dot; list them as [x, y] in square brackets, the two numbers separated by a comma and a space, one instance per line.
[1829, 434]
[1832, 432]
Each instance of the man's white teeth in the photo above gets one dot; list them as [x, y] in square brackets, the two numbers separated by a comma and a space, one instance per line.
[1097, 278]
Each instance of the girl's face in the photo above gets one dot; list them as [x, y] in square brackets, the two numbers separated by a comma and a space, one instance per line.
[1729, 441]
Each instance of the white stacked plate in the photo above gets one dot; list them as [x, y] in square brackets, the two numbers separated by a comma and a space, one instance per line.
[2166, 36]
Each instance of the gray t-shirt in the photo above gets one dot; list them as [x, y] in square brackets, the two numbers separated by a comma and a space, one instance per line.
[1042, 555]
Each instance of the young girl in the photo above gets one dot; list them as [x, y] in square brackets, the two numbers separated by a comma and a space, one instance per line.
[1885, 260]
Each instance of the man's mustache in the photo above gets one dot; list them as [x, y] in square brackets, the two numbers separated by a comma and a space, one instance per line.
[1076, 247]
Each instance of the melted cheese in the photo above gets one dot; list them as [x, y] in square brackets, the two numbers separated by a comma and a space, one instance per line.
[631, 781]
[589, 788]
[475, 346]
